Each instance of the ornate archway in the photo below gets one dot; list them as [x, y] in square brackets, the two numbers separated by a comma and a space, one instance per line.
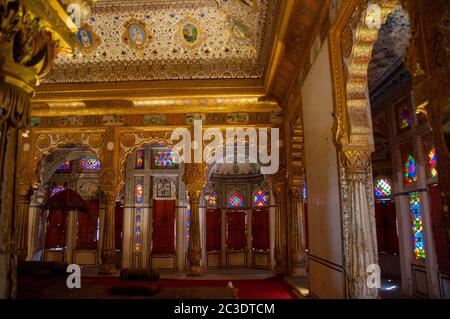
[352, 38]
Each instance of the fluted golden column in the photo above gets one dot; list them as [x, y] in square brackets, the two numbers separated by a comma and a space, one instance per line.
[359, 223]
[194, 179]
[297, 240]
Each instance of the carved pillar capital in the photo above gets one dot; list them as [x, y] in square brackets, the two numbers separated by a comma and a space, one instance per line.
[108, 184]
[278, 181]
[194, 179]
[297, 192]
[356, 163]
[356, 160]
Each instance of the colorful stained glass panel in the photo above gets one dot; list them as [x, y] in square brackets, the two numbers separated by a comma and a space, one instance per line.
[164, 159]
[139, 193]
[383, 188]
[260, 199]
[415, 209]
[65, 166]
[90, 164]
[212, 199]
[432, 161]
[140, 155]
[137, 229]
[188, 223]
[410, 170]
[236, 200]
[57, 189]
[405, 117]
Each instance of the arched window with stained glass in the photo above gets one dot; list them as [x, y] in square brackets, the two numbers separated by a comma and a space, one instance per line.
[212, 200]
[236, 200]
[260, 199]
[383, 188]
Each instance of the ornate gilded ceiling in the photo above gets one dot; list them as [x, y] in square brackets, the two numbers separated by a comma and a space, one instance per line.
[125, 40]
[390, 50]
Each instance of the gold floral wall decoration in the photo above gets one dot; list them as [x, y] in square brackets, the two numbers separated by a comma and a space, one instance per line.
[190, 35]
[136, 34]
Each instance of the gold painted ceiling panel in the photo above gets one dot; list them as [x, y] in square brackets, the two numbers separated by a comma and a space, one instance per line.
[125, 40]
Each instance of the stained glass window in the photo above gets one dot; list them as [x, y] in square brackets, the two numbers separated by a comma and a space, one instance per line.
[305, 192]
[260, 199]
[188, 223]
[90, 164]
[65, 166]
[410, 170]
[383, 188]
[138, 193]
[164, 159]
[212, 200]
[236, 200]
[137, 229]
[417, 225]
[405, 117]
[57, 189]
[140, 155]
[432, 161]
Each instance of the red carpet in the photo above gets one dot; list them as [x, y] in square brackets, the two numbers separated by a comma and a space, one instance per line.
[273, 288]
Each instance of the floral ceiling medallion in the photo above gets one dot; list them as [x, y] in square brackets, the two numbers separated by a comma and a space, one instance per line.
[87, 40]
[136, 35]
[189, 34]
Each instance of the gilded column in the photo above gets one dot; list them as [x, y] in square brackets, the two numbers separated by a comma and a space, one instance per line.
[194, 179]
[108, 252]
[277, 182]
[23, 210]
[297, 240]
[23, 195]
[30, 33]
[359, 223]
